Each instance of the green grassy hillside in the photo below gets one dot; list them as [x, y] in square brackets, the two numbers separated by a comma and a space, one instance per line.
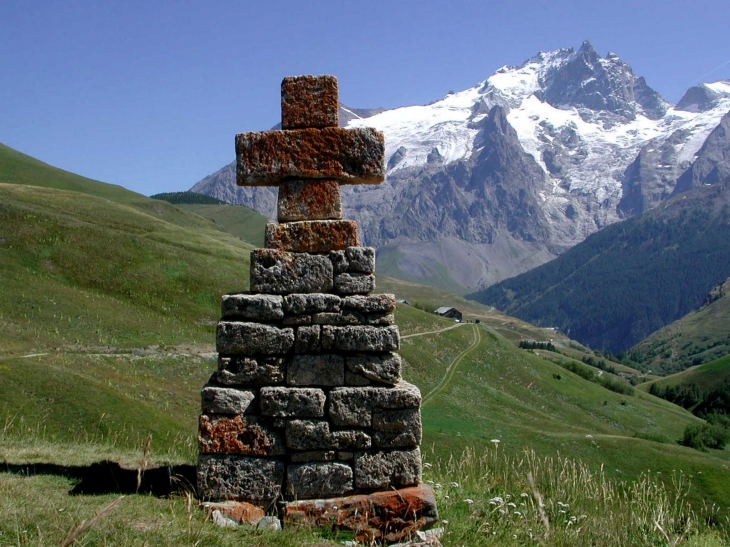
[106, 332]
[631, 278]
[238, 220]
[701, 336]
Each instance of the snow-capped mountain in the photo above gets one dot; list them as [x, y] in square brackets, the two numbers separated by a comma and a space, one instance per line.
[499, 178]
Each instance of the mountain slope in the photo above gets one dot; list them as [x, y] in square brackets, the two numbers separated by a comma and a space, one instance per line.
[106, 329]
[631, 278]
[701, 336]
[590, 143]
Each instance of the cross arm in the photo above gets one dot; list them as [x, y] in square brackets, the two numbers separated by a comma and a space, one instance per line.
[350, 156]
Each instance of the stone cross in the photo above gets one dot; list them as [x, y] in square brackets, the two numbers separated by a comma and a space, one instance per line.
[308, 159]
[308, 416]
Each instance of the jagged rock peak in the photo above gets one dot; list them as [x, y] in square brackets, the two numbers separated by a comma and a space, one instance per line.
[704, 97]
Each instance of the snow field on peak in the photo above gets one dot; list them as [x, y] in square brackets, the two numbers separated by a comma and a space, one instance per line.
[420, 129]
[602, 154]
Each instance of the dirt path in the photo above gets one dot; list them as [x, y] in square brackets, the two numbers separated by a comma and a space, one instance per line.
[451, 369]
[433, 331]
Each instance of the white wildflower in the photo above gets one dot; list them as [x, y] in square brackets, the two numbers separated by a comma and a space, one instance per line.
[427, 465]
[454, 485]
[468, 501]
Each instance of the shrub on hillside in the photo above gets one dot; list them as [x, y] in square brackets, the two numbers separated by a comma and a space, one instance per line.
[704, 436]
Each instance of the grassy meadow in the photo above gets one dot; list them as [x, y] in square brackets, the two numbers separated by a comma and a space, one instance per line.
[107, 314]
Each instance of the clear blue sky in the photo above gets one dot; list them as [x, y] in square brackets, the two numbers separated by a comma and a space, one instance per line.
[150, 94]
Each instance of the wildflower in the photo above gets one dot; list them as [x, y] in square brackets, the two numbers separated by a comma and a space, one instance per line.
[495, 501]
[518, 513]
[468, 501]
[444, 521]
[437, 485]
[454, 485]
[427, 465]
[447, 497]
[512, 505]
[524, 495]
[429, 481]
[561, 504]
[495, 441]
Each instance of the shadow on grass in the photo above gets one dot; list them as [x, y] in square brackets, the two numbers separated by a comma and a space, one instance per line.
[108, 477]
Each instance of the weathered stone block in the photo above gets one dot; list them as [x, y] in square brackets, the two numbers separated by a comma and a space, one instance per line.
[279, 272]
[339, 261]
[354, 283]
[308, 339]
[309, 200]
[353, 406]
[388, 469]
[309, 101]
[237, 370]
[262, 307]
[245, 435]
[351, 156]
[318, 479]
[316, 435]
[339, 318]
[322, 369]
[360, 338]
[380, 319]
[295, 320]
[373, 303]
[225, 400]
[235, 337]
[313, 456]
[288, 402]
[384, 368]
[360, 259]
[355, 379]
[397, 428]
[298, 304]
[240, 478]
[311, 236]
[389, 517]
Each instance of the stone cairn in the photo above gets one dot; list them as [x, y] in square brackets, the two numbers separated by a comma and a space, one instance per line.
[308, 400]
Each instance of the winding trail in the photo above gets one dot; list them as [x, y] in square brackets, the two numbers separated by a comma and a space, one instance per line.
[433, 331]
[451, 369]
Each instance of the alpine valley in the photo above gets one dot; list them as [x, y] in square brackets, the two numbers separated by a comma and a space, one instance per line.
[495, 180]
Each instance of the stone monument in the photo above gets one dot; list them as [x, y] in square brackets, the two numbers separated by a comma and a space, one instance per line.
[308, 402]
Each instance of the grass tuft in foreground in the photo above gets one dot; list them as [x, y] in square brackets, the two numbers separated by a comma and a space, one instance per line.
[495, 499]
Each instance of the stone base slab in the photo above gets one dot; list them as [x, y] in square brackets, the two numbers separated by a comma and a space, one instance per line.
[390, 516]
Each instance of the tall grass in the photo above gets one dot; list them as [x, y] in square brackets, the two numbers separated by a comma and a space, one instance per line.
[490, 498]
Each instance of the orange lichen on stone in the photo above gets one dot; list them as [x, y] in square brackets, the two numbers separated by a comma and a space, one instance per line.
[244, 435]
[309, 200]
[391, 516]
[309, 101]
[351, 156]
[239, 511]
[312, 236]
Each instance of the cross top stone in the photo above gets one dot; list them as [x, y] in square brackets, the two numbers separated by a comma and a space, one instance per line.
[308, 159]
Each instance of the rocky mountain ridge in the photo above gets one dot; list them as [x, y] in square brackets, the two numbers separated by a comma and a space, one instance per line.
[502, 177]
